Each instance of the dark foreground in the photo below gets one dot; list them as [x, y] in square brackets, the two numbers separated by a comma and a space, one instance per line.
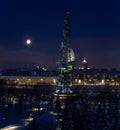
[91, 109]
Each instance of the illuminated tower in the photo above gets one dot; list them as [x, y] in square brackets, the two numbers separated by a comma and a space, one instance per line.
[84, 64]
[66, 59]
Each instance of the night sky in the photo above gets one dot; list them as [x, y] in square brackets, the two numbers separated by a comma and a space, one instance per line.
[95, 32]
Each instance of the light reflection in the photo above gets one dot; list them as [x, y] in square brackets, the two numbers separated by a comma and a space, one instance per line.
[11, 127]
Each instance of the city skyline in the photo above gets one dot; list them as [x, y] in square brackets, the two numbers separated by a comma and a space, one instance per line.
[95, 30]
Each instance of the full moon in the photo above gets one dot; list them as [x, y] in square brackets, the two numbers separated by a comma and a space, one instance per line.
[28, 41]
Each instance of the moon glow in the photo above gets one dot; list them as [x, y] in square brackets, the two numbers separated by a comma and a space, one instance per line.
[28, 41]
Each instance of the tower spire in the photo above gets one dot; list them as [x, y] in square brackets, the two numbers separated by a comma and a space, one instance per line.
[67, 28]
[66, 60]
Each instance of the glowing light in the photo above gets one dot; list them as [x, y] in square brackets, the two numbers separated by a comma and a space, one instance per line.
[70, 55]
[76, 80]
[10, 127]
[57, 91]
[54, 81]
[28, 41]
[84, 61]
[79, 81]
[45, 69]
[103, 81]
[35, 109]
[6, 105]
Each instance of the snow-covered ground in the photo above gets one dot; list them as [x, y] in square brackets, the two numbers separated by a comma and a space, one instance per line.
[91, 110]
[22, 125]
[13, 112]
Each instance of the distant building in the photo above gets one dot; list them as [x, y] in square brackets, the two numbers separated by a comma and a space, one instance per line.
[84, 64]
